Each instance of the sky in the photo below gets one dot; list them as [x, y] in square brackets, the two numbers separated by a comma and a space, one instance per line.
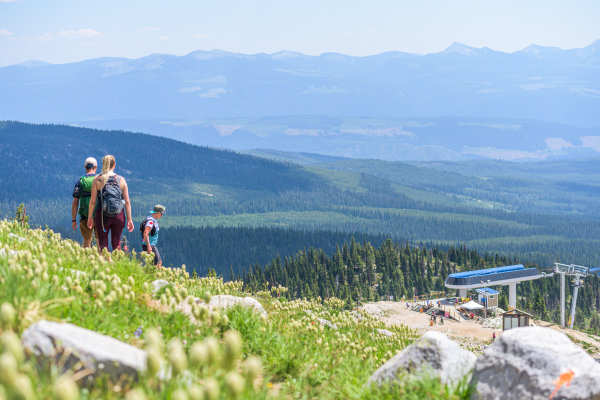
[61, 31]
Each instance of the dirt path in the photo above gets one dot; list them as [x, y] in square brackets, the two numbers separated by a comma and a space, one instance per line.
[591, 343]
[468, 333]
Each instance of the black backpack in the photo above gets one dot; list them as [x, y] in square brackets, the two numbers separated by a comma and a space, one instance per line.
[111, 197]
[143, 228]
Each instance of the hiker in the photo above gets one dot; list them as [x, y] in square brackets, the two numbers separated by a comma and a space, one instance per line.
[442, 319]
[149, 229]
[407, 306]
[434, 319]
[82, 193]
[494, 337]
[110, 198]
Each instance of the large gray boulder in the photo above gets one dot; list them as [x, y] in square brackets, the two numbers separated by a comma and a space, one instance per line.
[98, 353]
[434, 355]
[527, 363]
[227, 301]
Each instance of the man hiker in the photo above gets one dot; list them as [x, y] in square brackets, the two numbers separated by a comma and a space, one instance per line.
[81, 201]
[149, 229]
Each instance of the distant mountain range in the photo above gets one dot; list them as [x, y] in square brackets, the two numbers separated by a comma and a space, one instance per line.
[260, 101]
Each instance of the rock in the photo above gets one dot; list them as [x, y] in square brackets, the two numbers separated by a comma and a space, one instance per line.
[525, 363]
[186, 308]
[325, 322]
[432, 354]
[385, 332]
[159, 283]
[99, 353]
[373, 309]
[10, 252]
[75, 272]
[19, 238]
[227, 301]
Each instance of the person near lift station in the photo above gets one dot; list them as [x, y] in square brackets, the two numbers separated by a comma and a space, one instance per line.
[149, 229]
[82, 193]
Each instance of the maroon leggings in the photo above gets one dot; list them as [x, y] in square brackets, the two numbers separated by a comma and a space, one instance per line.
[113, 224]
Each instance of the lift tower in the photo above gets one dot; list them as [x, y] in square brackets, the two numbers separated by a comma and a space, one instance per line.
[572, 270]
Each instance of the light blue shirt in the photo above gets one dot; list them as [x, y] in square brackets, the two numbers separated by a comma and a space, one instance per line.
[151, 222]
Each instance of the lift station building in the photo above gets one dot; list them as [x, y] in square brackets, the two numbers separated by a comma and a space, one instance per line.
[500, 276]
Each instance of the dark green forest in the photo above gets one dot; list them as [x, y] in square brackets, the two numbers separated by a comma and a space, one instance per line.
[362, 272]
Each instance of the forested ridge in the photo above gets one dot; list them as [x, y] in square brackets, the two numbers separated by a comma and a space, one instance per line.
[362, 272]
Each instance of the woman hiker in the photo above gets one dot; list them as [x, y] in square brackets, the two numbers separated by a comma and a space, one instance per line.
[111, 189]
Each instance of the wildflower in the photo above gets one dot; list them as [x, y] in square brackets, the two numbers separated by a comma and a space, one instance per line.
[207, 297]
[253, 369]
[138, 332]
[23, 389]
[215, 317]
[211, 389]
[235, 384]
[195, 393]
[8, 369]
[11, 343]
[177, 356]
[153, 339]
[7, 315]
[154, 360]
[213, 349]
[66, 389]
[198, 355]
[233, 348]
[135, 394]
[179, 394]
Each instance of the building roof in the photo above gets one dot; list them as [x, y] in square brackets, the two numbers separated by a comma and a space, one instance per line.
[487, 271]
[516, 311]
[487, 290]
[491, 276]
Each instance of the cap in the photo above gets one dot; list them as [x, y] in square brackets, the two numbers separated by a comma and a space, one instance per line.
[90, 162]
[158, 209]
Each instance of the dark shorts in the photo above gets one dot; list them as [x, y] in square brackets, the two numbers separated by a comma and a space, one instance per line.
[157, 258]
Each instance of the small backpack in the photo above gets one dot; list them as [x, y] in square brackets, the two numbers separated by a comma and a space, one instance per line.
[85, 183]
[111, 197]
[143, 228]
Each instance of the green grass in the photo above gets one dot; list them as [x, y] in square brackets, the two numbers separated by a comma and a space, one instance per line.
[300, 358]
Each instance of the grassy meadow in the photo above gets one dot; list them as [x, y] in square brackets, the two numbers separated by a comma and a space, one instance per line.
[231, 354]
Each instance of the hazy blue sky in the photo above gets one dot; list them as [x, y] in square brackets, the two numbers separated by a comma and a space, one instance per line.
[60, 31]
